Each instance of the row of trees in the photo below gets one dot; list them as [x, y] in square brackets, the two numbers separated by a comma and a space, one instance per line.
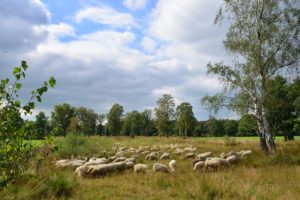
[166, 119]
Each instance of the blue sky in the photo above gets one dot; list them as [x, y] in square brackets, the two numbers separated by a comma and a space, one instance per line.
[114, 51]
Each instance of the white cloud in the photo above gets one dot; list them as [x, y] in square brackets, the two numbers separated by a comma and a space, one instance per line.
[103, 67]
[148, 44]
[135, 4]
[56, 30]
[184, 21]
[106, 16]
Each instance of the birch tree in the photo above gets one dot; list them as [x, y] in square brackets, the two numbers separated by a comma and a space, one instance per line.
[264, 38]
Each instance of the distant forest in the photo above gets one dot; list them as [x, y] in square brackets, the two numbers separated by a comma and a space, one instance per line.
[170, 120]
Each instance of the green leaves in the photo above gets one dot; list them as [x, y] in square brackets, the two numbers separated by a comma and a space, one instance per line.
[52, 81]
[15, 151]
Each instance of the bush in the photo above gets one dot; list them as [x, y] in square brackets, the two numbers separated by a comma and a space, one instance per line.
[80, 145]
[15, 151]
[229, 141]
[61, 184]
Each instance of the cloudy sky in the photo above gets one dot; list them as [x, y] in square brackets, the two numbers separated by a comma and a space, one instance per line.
[103, 52]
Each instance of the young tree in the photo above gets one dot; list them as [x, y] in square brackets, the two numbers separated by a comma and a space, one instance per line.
[114, 124]
[15, 150]
[264, 35]
[100, 129]
[41, 125]
[87, 119]
[186, 120]
[231, 127]
[165, 113]
[61, 117]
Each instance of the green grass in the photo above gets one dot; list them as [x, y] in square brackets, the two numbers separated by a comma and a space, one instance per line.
[257, 177]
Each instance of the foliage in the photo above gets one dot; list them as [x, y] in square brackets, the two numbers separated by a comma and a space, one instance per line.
[41, 125]
[264, 36]
[61, 118]
[214, 127]
[165, 113]
[247, 126]
[80, 145]
[231, 127]
[185, 119]
[15, 150]
[86, 120]
[114, 124]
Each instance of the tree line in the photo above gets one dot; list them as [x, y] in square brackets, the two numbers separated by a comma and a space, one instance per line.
[167, 119]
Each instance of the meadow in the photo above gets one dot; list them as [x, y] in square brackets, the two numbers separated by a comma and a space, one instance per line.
[258, 176]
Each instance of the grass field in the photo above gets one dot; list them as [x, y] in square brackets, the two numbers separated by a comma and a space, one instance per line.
[257, 177]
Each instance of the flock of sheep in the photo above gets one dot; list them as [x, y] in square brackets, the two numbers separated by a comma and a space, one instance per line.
[123, 158]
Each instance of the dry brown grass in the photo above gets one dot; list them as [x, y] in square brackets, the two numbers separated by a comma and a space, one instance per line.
[257, 177]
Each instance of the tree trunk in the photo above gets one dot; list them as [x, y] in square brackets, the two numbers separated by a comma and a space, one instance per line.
[266, 138]
[269, 137]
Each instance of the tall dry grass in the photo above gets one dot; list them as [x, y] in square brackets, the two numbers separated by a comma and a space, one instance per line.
[257, 177]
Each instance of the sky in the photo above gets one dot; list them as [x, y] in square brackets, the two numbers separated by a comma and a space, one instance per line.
[103, 52]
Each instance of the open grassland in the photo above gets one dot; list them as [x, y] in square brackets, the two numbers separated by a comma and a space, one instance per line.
[256, 177]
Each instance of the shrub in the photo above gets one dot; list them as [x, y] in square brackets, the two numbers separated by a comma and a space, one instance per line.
[229, 141]
[15, 150]
[80, 145]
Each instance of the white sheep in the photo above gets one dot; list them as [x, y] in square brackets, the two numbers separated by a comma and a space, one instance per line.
[203, 156]
[232, 159]
[129, 165]
[244, 153]
[214, 163]
[158, 167]
[103, 169]
[119, 159]
[172, 165]
[138, 168]
[198, 165]
[96, 161]
[152, 156]
[165, 156]
[189, 155]
[81, 171]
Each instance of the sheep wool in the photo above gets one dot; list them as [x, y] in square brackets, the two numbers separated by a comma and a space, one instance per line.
[158, 167]
[198, 165]
[140, 168]
[172, 165]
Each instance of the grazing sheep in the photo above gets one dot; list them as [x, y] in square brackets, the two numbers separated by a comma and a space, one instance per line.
[103, 169]
[198, 165]
[145, 152]
[232, 159]
[96, 161]
[164, 156]
[119, 159]
[130, 160]
[223, 155]
[244, 153]
[120, 153]
[172, 165]
[213, 163]
[189, 155]
[158, 167]
[152, 156]
[138, 168]
[81, 171]
[129, 165]
[112, 158]
[69, 163]
[203, 156]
